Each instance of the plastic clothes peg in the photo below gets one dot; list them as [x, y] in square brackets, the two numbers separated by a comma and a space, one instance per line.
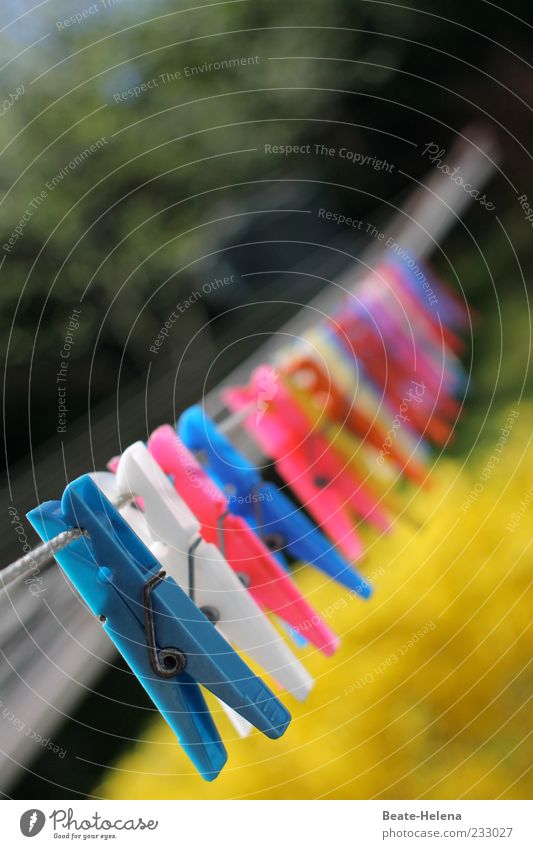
[107, 482]
[392, 377]
[415, 334]
[352, 380]
[333, 494]
[353, 452]
[417, 303]
[272, 514]
[166, 640]
[201, 569]
[382, 340]
[265, 578]
[327, 395]
[305, 464]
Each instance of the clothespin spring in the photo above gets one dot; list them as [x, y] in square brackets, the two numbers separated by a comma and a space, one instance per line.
[167, 662]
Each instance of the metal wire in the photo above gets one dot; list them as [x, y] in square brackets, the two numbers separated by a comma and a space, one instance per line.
[38, 558]
[43, 555]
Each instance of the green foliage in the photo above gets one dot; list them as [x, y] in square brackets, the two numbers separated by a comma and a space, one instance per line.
[129, 211]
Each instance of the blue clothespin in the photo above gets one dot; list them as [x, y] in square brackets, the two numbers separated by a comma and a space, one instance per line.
[167, 641]
[273, 515]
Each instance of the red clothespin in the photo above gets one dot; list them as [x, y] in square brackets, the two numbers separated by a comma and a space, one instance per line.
[248, 556]
[333, 494]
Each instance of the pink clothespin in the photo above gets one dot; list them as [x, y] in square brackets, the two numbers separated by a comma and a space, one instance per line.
[248, 556]
[307, 461]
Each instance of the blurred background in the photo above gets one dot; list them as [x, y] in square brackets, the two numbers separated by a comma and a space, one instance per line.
[138, 169]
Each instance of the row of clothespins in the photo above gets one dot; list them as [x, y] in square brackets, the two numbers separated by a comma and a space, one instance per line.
[183, 547]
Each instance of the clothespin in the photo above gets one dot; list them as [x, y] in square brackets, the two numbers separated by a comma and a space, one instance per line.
[327, 395]
[169, 644]
[248, 555]
[200, 569]
[387, 365]
[107, 482]
[444, 313]
[302, 458]
[355, 455]
[323, 344]
[413, 331]
[418, 305]
[398, 386]
[272, 514]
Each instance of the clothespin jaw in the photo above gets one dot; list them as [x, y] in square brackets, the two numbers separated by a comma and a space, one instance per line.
[265, 507]
[166, 640]
[392, 376]
[107, 482]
